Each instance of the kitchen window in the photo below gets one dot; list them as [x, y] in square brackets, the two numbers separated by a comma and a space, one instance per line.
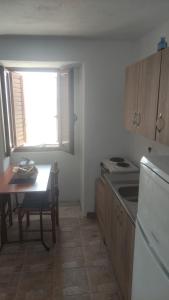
[37, 109]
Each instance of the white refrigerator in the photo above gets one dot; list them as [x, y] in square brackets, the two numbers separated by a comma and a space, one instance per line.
[151, 251]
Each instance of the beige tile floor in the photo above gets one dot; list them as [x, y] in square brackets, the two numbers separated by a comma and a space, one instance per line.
[76, 268]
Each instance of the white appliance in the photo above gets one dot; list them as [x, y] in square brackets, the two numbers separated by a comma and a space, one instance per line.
[151, 252]
[119, 164]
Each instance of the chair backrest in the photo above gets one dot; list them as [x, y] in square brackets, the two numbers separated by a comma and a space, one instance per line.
[54, 184]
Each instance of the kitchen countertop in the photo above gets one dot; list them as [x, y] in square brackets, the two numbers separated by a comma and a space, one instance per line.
[129, 206]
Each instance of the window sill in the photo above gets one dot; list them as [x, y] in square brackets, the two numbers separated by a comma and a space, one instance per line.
[43, 148]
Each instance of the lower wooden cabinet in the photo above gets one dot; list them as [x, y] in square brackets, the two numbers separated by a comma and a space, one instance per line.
[100, 204]
[118, 233]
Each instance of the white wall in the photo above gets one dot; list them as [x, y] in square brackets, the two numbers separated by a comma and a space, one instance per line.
[147, 45]
[102, 133]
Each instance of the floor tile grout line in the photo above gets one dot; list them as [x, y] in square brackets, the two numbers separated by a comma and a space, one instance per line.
[20, 275]
[87, 273]
[86, 267]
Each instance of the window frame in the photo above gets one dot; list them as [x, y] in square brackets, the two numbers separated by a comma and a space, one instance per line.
[8, 128]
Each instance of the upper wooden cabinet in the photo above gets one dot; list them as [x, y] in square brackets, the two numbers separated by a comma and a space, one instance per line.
[162, 125]
[131, 95]
[148, 95]
[142, 95]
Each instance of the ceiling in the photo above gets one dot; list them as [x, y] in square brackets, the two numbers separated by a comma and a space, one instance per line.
[118, 19]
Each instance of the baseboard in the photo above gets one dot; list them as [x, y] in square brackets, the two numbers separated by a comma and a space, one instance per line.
[69, 203]
[91, 215]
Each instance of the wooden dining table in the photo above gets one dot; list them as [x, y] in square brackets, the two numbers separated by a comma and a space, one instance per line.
[40, 185]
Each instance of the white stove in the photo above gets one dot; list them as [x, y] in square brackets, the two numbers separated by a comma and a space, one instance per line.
[119, 165]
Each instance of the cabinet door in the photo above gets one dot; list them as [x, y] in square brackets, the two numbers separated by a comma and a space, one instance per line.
[162, 129]
[108, 215]
[115, 229]
[131, 94]
[126, 248]
[110, 222]
[122, 246]
[148, 95]
[101, 204]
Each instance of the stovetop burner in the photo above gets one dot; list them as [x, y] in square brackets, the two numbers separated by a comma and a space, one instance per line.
[119, 165]
[123, 164]
[117, 159]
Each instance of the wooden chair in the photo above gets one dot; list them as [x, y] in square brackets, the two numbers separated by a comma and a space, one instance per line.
[42, 203]
[5, 217]
[7, 209]
[55, 190]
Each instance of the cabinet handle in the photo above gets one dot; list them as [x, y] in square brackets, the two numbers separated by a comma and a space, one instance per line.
[160, 123]
[102, 180]
[138, 121]
[134, 118]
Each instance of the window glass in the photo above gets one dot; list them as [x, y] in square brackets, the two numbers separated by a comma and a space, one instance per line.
[40, 96]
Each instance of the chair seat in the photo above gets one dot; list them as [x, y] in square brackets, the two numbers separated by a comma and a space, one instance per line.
[36, 201]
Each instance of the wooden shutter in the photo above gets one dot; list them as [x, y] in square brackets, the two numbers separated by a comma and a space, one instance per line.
[66, 109]
[6, 110]
[18, 109]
